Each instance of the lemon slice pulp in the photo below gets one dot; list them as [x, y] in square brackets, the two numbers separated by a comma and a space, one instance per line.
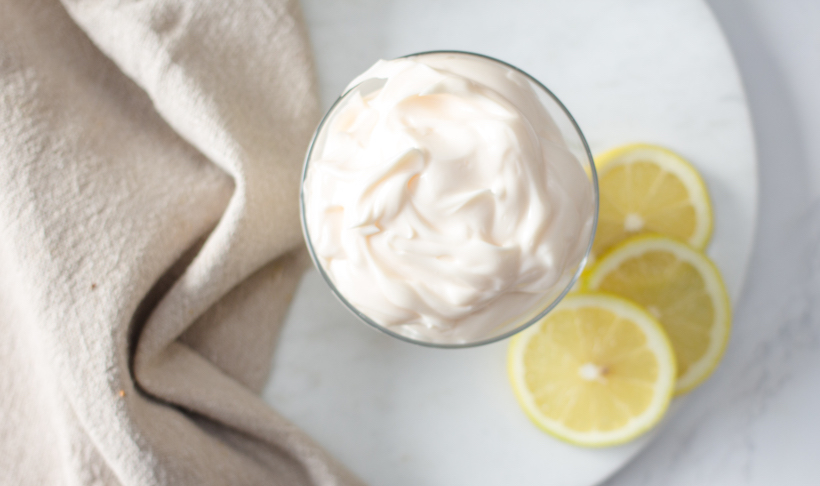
[596, 371]
[649, 189]
[682, 289]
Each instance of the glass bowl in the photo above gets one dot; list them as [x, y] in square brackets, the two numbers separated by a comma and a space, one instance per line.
[571, 139]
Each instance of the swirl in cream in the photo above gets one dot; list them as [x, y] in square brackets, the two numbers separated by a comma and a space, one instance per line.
[441, 200]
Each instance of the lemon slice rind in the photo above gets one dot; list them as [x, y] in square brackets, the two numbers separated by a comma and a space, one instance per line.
[719, 332]
[673, 163]
[657, 342]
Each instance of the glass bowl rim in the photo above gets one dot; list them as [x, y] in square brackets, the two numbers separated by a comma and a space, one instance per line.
[472, 344]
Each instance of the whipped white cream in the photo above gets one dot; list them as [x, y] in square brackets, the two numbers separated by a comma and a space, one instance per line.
[441, 200]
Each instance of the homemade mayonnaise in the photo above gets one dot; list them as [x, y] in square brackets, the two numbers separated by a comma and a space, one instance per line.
[441, 200]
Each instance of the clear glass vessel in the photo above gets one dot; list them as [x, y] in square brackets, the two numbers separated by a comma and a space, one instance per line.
[573, 141]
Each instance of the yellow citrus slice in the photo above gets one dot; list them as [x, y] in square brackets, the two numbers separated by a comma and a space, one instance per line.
[682, 288]
[649, 189]
[598, 370]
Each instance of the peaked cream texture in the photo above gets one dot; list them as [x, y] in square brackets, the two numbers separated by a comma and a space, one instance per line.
[445, 204]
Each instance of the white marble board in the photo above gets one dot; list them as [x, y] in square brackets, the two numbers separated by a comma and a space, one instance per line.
[629, 70]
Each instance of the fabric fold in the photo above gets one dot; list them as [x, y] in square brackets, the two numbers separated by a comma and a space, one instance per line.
[149, 240]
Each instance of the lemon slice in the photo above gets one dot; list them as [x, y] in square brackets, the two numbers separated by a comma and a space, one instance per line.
[649, 189]
[598, 370]
[682, 289]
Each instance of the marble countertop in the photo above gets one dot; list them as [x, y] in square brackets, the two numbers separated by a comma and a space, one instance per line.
[755, 422]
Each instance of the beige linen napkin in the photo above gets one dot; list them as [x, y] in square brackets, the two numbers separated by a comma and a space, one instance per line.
[149, 240]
